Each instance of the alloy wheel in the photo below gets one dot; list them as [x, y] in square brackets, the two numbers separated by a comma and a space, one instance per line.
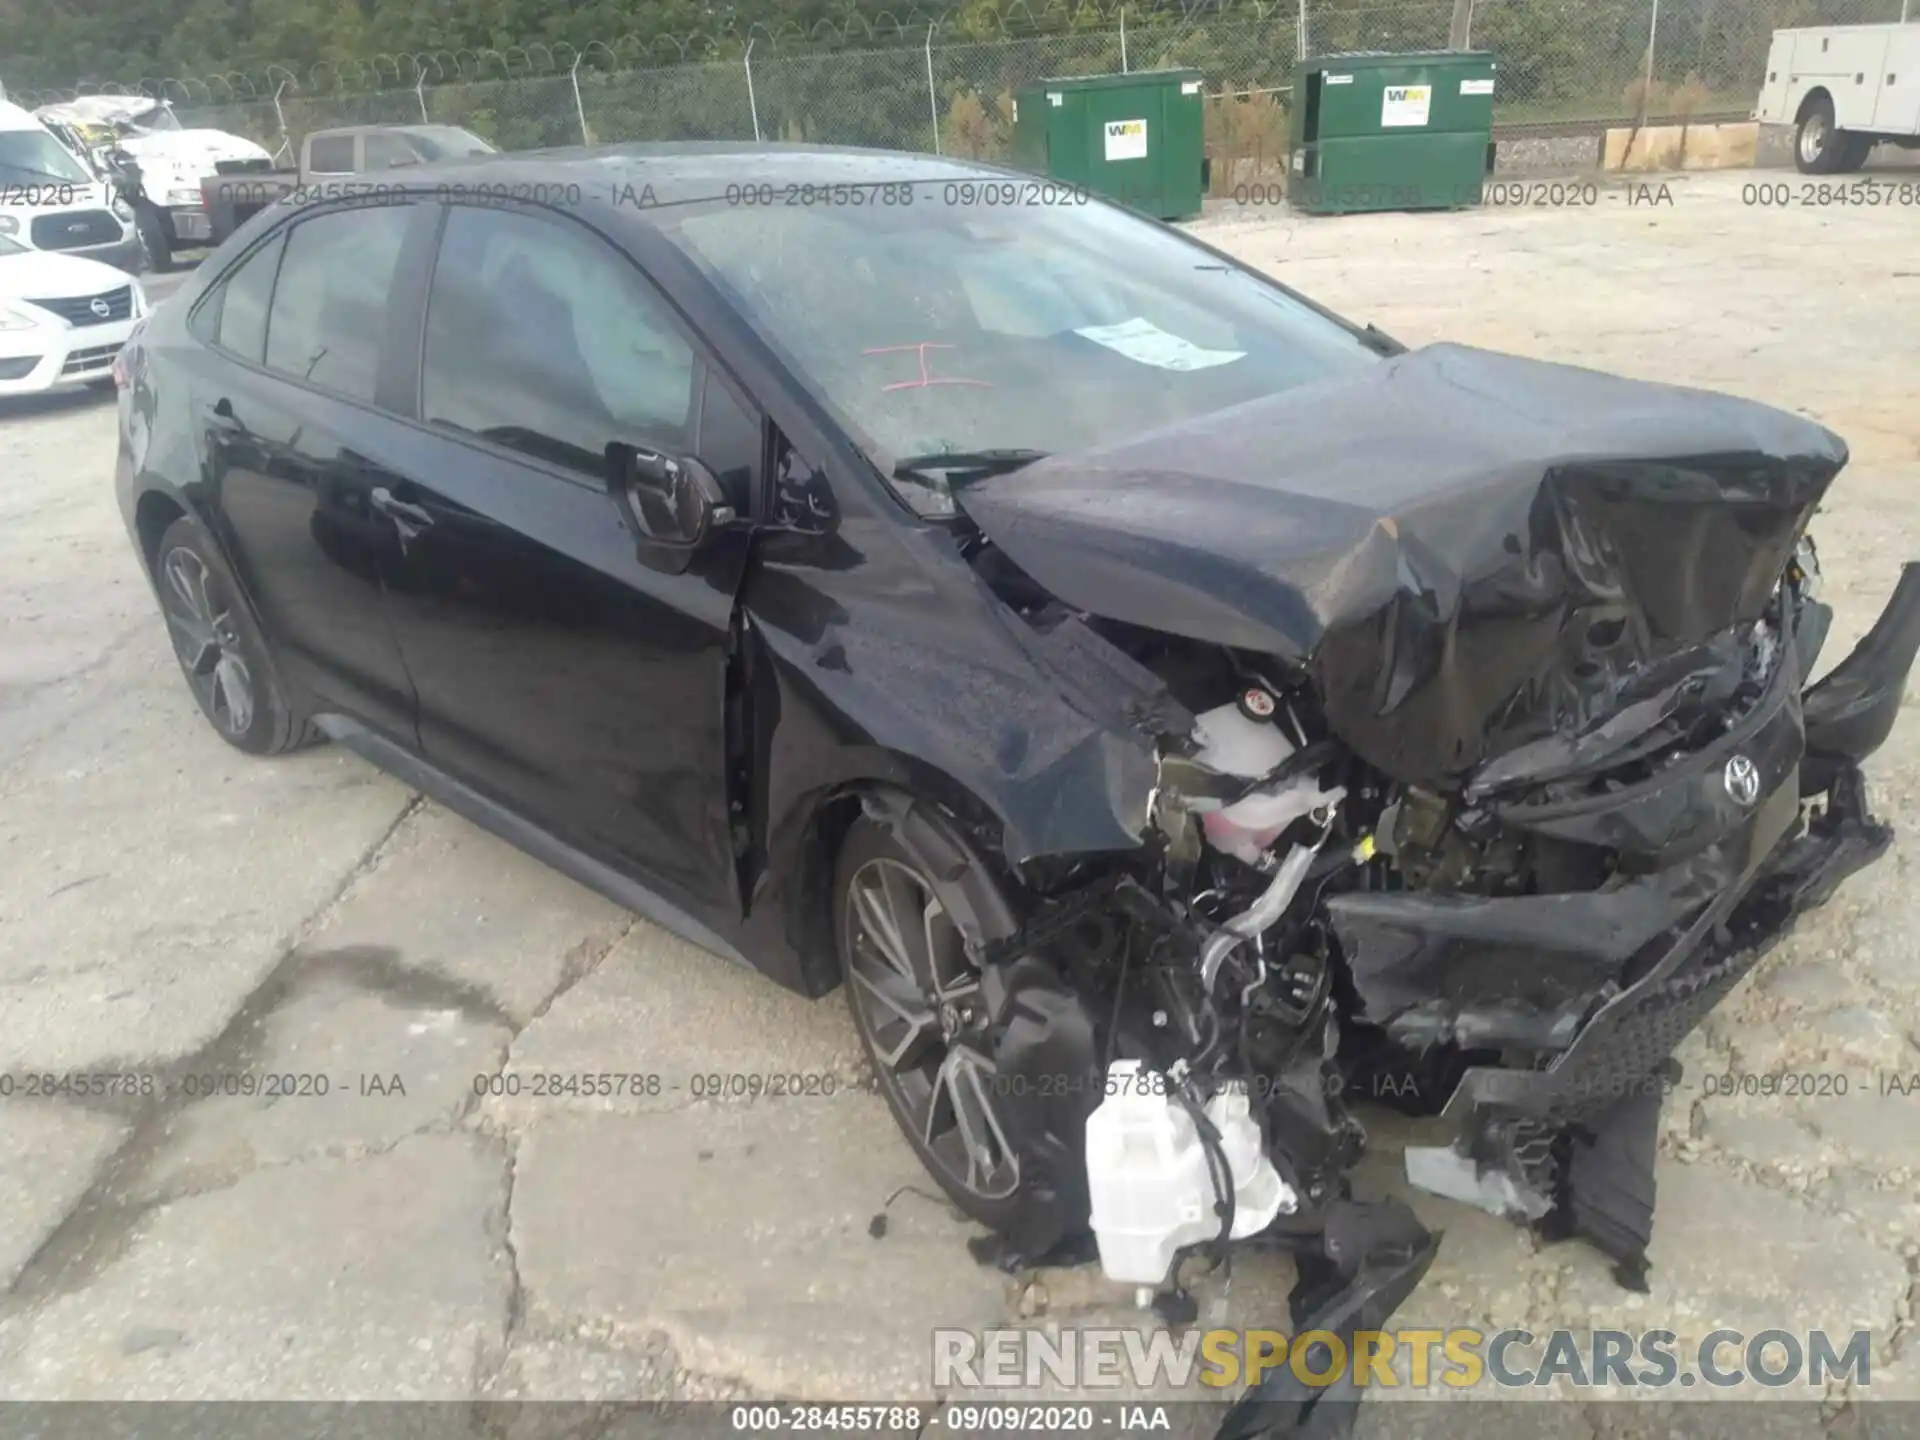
[1813, 138]
[919, 1001]
[207, 641]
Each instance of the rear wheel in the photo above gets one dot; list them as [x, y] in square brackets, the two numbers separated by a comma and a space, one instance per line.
[221, 652]
[1820, 147]
[918, 1005]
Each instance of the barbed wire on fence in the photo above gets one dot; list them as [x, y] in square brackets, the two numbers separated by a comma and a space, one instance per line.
[854, 30]
[949, 87]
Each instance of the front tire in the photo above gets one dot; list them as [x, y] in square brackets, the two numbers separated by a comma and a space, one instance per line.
[221, 651]
[153, 228]
[920, 1011]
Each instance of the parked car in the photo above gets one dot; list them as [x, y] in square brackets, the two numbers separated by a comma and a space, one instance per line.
[49, 200]
[63, 319]
[329, 159]
[155, 163]
[1844, 89]
[1161, 702]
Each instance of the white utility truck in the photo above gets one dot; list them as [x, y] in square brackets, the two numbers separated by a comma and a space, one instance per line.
[1844, 88]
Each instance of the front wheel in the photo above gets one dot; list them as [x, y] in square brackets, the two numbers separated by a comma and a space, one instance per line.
[921, 1012]
[155, 238]
[220, 650]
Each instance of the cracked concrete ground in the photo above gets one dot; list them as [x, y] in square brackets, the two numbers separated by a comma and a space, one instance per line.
[431, 1226]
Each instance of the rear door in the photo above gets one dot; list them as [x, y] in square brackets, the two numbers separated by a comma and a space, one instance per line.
[293, 447]
[556, 670]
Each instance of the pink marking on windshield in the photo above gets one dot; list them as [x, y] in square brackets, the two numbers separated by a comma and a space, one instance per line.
[926, 378]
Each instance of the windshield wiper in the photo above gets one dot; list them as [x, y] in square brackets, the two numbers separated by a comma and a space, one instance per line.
[973, 462]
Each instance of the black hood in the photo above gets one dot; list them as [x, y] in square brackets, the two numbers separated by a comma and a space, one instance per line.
[1465, 550]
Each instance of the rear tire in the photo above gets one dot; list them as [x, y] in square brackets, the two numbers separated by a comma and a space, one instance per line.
[1819, 148]
[221, 651]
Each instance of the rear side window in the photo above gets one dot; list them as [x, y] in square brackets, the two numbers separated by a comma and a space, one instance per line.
[244, 300]
[331, 155]
[543, 338]
[329, 311]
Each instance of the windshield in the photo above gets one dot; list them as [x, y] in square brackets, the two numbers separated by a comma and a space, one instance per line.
[940, 325]
[160, 120]
[33, 157]
[12, 247]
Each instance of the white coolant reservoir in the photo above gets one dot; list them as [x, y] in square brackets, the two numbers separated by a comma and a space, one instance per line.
[1234, 743]
[1152, 1192]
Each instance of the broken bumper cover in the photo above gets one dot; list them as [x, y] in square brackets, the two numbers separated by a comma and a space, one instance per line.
[1569, 1146]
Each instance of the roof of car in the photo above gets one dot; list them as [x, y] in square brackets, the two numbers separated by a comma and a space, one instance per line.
[688, 171]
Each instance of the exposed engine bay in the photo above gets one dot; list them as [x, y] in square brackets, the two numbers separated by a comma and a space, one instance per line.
[1472, 795]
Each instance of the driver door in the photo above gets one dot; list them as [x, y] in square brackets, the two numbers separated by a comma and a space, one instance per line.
[557, 670]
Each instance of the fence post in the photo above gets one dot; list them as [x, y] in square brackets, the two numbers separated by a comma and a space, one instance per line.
[280, 119]
[1646, 80]
[753, 105]
[586, 136]
[933, 100]
[1460, 31]
[1123, 41]
[420, 94]
[1300, 33]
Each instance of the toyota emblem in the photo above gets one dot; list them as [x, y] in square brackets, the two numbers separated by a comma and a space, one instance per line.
[100, 306]
[1742, 780]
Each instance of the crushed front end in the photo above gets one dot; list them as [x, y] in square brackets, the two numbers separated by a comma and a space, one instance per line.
[1487, 764]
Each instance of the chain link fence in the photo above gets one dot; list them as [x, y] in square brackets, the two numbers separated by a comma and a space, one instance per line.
[1572, 62]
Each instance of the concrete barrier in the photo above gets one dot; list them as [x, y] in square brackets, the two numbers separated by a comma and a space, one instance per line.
[1682, 147]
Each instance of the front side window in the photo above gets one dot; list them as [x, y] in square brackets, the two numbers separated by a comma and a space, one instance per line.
[447, 142]
[329, 314]
[542, 338]
[386, 151]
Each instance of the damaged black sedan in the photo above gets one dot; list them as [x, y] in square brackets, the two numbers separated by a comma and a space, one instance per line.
[1161, 706]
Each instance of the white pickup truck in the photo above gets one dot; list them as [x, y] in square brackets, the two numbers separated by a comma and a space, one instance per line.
[1844, 88]
[170, 162]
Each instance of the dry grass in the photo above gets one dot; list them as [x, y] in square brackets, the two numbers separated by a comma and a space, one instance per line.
[976, 132]
[1245, 136]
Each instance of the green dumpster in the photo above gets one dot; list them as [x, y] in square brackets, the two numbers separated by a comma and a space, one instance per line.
[1139, 138]
[1391, 132]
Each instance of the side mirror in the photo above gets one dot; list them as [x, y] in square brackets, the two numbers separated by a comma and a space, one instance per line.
[668, 500]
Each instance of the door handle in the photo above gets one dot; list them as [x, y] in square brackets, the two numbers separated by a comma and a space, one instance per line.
[406, 516]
